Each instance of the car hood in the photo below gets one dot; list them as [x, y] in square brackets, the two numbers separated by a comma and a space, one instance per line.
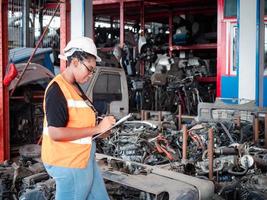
[34, 72]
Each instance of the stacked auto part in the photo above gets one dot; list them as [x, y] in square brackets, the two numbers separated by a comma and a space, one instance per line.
[26, 178]
[239, 166]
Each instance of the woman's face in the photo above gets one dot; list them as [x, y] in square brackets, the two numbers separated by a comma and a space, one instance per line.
[84, 70]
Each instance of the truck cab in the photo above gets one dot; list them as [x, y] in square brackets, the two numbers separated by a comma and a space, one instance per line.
[109, 91]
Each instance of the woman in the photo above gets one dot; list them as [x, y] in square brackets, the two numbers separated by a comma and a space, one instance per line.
[69, 124]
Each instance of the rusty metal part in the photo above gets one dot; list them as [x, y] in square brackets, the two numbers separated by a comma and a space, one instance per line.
[238, 121]
[256, 129]
[185, 138]
[143, 115]
[210, 153]
[154, 180]
[225, 151]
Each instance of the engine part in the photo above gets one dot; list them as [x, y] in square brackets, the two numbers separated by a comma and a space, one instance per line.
[218, 164]
[44, 190]
[154, 180]
[30, 151]
[247, 161]
[31, 180]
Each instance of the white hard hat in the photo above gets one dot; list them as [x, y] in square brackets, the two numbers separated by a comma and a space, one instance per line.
[83, 44]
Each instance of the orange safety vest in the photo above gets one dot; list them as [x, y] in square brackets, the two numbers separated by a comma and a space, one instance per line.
[72, 154]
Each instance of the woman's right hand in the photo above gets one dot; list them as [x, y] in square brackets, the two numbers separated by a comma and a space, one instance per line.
[106, 123]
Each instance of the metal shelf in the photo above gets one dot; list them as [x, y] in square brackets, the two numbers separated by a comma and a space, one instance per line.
[194, 47]
[209, 79]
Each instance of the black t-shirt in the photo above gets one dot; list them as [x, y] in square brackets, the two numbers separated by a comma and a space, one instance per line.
[56, 107]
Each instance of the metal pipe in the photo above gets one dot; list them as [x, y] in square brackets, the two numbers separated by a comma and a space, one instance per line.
[146, 115]
[121, 23]
[256, 129]
[142, 68]
[26, 28]
[179, 117]
[238, 121]
[142, 17]
[260, 163]
[225, 151]
[34, 51]
[142, 24]
[170, 30]
[185, 138]
[160, 116]
[142, 115]
[88, 18]
[210, 153]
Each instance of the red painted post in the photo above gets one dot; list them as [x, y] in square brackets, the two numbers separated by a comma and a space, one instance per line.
[4, 96]
[220, 49]
[64, 29]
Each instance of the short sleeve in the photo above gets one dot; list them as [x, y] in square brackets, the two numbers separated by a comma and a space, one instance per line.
[56, 107]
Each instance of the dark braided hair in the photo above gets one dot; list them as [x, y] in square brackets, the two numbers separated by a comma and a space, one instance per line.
[80, 55]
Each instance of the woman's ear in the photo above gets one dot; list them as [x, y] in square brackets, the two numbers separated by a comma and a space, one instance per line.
[75, 62]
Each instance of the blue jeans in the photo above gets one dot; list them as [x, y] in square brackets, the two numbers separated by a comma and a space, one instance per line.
[79, 184]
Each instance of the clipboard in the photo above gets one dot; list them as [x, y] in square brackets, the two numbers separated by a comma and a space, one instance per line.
[119, 122]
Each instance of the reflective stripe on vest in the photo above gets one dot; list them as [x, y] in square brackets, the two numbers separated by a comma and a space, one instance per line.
[87, 140]
[76, 104]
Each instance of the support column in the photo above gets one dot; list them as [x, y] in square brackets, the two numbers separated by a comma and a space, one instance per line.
[170, 34]
[247, 76]
[88, 20]
[121, 23]
[142, 17]
[81, 18]
[26, 28]
[4, 97]
[64, 29]
[260, 53]
[142, 24]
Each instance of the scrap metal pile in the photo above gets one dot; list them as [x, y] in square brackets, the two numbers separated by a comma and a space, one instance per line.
[26, 178]
[239, 165]
[146, 153]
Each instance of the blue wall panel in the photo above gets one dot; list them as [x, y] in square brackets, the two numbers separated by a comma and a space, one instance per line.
[230, 87]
